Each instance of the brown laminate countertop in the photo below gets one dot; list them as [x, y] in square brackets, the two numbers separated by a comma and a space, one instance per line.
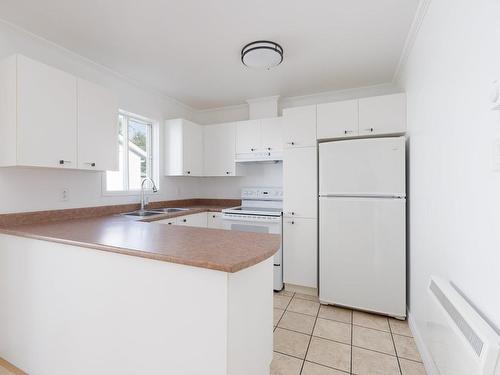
[216, 249]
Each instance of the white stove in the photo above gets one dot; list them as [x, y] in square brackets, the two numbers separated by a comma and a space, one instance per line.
[261, 211]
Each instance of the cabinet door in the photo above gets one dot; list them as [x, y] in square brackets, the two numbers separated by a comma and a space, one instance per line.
[219, 150]
[171, 221]
[300, 252]
[337, 120]
[214, 220]
[300, 182]
[192, 154]
[194, 220]
[248, 136]
[97, 127]
[46, 116]
[272, 134]
[299, 126]
[382, 114]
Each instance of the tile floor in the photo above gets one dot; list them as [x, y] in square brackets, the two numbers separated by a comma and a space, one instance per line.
[310, 339]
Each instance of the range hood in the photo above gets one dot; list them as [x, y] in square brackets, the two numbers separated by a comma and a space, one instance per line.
[259, 157]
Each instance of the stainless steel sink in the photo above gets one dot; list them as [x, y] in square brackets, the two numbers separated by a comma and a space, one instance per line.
[141, 213]
[168, 210]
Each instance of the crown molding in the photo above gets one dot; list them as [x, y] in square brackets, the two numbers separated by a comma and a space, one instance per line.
[99, 66]
[422, 8]
[273, 98]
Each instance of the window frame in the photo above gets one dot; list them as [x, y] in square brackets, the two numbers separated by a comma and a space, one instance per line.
[151, 151]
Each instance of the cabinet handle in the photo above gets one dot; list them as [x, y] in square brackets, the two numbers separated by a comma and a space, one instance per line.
[291, 213]
[252, 149]
[64, 162]
[369, 129]
[227, 172]
[91, 164]
[188, 172]
[184, 220]
[348, 131]
[213, 216]
[291, 222]
[269, 149]
[291, 143]
[169, 223]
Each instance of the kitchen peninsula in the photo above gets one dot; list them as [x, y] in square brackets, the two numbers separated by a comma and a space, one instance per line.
[118, 295]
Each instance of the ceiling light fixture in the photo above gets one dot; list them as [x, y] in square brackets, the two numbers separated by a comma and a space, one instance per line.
[262, 54]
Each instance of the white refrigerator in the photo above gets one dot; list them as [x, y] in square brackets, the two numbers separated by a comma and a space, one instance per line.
[362, 224]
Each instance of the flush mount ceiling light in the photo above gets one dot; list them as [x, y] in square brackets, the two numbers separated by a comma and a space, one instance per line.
[262, 54]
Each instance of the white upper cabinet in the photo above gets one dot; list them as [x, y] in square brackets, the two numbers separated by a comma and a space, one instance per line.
[248, 137]
[338, 119]
[49, 118]
[219, 149]
[46, 116]
[382, 114]
[299, 126]
[300, 187]
[97, 128]
[183, 148]
[272, 134]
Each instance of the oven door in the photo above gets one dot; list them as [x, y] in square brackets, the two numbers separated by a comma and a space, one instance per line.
[259, 224]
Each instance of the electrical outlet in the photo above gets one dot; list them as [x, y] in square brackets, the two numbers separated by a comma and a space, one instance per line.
[65, 194]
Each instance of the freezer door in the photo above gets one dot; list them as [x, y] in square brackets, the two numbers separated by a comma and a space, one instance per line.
[362, 255]
[363, 167]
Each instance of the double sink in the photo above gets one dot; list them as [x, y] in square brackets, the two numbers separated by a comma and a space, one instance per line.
[156, 211]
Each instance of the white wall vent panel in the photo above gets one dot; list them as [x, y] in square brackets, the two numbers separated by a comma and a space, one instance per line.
[461, 341]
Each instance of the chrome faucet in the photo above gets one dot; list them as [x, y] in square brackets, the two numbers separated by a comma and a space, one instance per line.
[143, 203]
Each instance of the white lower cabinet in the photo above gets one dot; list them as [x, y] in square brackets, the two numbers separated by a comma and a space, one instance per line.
[214, 220]
[300, 252]
[171, 221]
[194, 220]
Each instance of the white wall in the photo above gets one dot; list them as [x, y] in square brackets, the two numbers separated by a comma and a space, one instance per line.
[37, 189]
[454, 193]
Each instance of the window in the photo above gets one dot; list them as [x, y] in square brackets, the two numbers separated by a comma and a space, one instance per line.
[135, 154]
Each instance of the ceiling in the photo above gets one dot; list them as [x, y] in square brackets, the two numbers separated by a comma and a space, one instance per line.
[190, 49]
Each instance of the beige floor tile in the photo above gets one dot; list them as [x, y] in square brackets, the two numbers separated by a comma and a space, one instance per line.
[285, 293]
[367, 362]
[308, 297]
[400, 327]
[297, 322]
[406, 348]
[329, 353]
[304, 306]
[335, 313]
[315, 369]
[281, 302]
[277, 314]
[373, 339]
[370, 320]
[291, 343]
[411, 368]
[285, 365]
[332, 330]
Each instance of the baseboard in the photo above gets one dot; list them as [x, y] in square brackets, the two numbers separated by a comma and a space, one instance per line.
[429, 364]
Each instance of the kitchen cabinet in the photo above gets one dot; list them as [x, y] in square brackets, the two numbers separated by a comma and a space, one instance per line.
[299, 127]
[300, 188]
[219, 150]
[272, 134]
[300, 252]
[214, 220]
[171, 221]
[39, 115]
[259, 139]
[183, 148]
[382, 114]
[248, 137]
[97, 127]
[338, 119]
[193, 220]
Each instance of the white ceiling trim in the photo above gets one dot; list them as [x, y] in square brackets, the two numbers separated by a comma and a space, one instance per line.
[107, 69]
[423, 6]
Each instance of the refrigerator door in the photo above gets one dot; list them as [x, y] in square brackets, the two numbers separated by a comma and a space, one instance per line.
[362, 254]
[362, 167]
